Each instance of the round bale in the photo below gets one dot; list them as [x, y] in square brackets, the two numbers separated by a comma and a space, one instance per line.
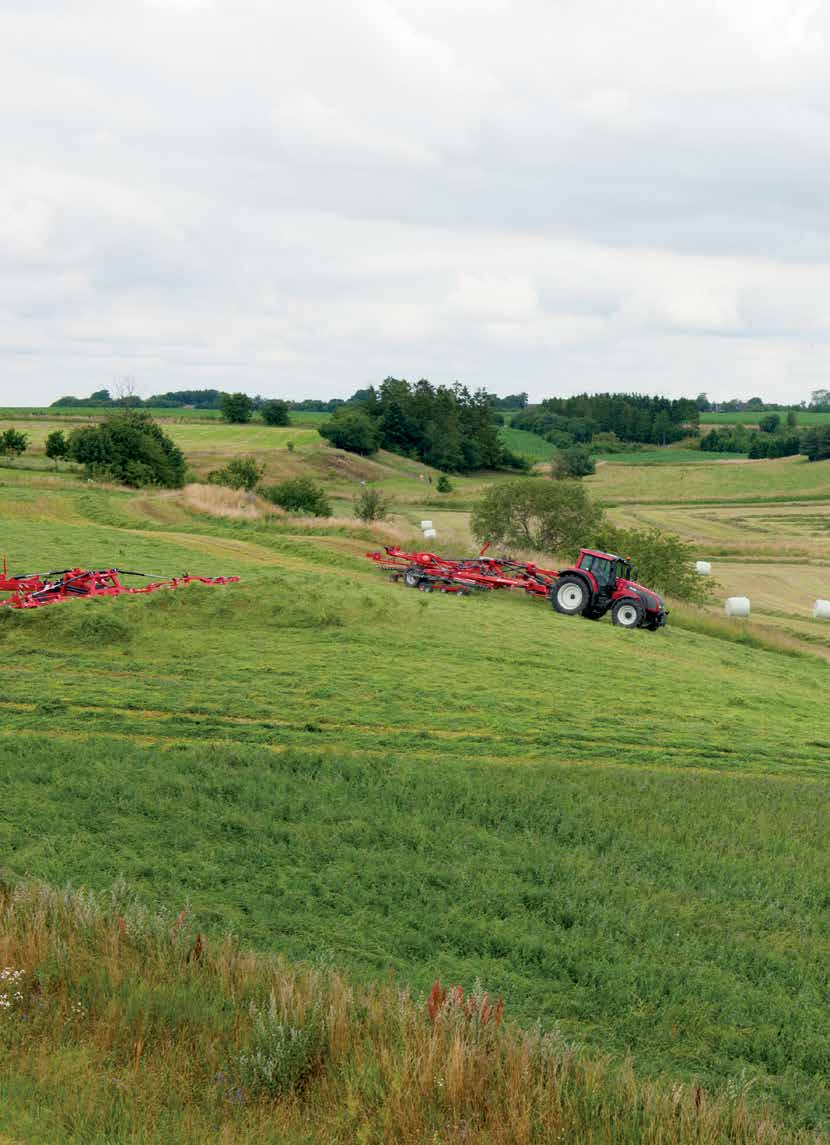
[737, 606]
[703, 567]
[821, 610]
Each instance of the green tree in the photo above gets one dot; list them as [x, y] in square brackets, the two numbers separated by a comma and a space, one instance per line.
[57, 447]
[236, 408]
[769, 423]
[128, 447]
[792, 419]
[443, 484]
[352, 430]
[240, 473]
[370, 505]
[299, 495]
[13, 443]
[575, 461]
[549, 516]
[275, 412]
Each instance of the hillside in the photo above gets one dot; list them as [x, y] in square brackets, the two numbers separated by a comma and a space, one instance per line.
[624, 834]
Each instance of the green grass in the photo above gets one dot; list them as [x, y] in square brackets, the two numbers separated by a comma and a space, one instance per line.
[669, 455]
[624, 833]
[750, 417]
[526, 444]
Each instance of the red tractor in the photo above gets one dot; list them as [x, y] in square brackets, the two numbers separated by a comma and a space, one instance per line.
[601, 582]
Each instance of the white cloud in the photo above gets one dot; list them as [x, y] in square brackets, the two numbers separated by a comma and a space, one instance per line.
[296, 201]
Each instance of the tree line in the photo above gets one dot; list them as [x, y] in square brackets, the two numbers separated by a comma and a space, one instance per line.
[447, 427]
[630, 417]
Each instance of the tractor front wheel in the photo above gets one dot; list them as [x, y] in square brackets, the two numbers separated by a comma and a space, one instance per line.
[570, 595]
[627, 613]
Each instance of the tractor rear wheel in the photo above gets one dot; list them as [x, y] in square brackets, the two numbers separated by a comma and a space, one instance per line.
[628, 613]
[570, 595]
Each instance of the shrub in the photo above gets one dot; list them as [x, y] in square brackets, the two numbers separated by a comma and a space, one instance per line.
[236, 408]
[351, 430]
[660, 560]
[12, 442]
[299, 495]
[443, 484]
[551, 516]
[575, 461]
[275, 413]
[769, 423]
[128, 447]
[287, 1048]
[57, 446]
[239, 473]
[370, 505]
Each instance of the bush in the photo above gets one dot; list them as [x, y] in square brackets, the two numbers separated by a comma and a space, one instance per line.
[12, 442]
[299, 495]
[57, 446]
[240, 473]
[575, 461]
[370, 505]
[660, 561]
[443, 484]
[275, 413]
[769, 423]
[351, 430]
[128, 447]
[286, 1049]
[236, 408]
[551, 516]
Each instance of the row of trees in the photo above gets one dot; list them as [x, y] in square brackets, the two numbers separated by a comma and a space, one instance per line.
[630, 417]
[819, 400]
[127, 447]
[449, 428]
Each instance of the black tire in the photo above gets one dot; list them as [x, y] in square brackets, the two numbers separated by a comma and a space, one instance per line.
[593, 614]
[628, 613]
[570, 595]
[412, 578]
[653, 625]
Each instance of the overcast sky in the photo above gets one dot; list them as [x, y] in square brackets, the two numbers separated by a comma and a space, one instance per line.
[300, 199]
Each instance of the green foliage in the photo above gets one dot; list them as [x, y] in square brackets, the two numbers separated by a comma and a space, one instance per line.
[574, 461]
[352, 430]
[128, 447]
[274, 412]
[443, 484]
[370, 504]
[632, 417]
[286, 1049]
[13, 443]
[239, 473]
[660, 560]
[769, 423]
[236, 408]
[57, 446]
[299, 495]
[549, 516]
[815, 442]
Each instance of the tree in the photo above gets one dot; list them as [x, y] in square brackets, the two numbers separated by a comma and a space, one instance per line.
[13, 443]
[769, 423]
[275, 412]
[299, 495]
[57, 447]
[575, 461]
[792, 419]
[443, 484]
[128, 447]
[370, 505]
[237, 408]
[702, 402]
[820, 399]
[352, 430]
[240, 473]
[661, 560]
[549, 516]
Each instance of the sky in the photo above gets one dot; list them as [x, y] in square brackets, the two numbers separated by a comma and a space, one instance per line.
[298, 200]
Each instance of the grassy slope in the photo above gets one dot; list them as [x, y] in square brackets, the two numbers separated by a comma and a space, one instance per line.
[792, 478]
[747, 417]
[622, 832]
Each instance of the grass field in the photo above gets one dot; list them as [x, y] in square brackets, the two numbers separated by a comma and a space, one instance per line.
[334, 767]
[750, 417]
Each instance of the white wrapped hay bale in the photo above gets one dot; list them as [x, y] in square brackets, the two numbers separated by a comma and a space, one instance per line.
[821, 610]
[426, 524]
[703, 568]
[737, 606]
[430, 533]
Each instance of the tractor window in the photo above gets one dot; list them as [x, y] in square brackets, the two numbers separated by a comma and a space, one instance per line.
[623, 570]
[603, 570]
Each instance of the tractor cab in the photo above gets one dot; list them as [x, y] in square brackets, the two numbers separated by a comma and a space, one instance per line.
[606, 568]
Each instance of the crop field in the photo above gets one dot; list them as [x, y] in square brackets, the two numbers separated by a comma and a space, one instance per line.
[750, 417]
[339, 769]
[335, 767]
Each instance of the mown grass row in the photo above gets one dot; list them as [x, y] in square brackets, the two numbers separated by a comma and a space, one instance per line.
[119, 1025]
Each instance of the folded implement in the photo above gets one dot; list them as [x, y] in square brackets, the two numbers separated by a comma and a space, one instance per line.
[32, 590]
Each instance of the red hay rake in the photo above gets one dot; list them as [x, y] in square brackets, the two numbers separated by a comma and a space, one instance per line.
[32, 590]
[431, 573]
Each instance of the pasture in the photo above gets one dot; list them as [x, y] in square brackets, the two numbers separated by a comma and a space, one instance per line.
[625, 834]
